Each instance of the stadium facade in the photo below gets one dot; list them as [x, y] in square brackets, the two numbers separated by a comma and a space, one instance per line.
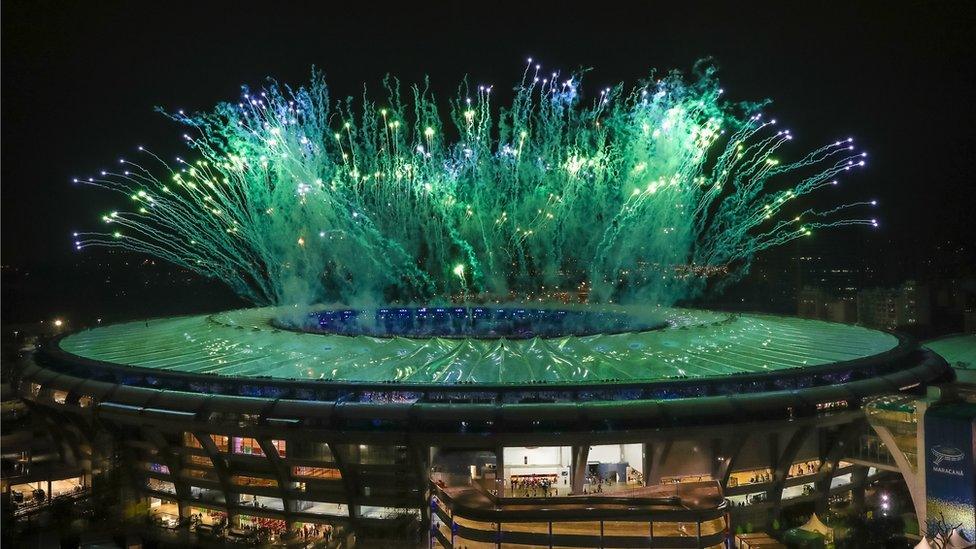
[665, 437]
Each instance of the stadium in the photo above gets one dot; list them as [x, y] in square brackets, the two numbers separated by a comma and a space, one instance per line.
[485, 426]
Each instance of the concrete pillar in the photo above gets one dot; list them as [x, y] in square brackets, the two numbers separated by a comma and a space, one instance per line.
[830, 454]
[781, 468]
[646, 454]
[501, 479]
[774, 452]
[578, 468]
[656, 458]
[729, 454]
[858, 479]
[714, 463]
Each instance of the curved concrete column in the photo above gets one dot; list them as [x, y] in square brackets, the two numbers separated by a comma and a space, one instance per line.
[846, 439]
[909, 473]
[282, 475]
[775, 493]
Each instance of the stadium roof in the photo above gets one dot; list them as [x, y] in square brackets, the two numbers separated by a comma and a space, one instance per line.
[696, 344]
[959, 351]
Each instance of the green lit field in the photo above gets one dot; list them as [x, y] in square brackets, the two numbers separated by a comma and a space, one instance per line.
[696, 344]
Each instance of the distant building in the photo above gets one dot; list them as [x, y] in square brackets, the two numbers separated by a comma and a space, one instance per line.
[827, 283]
[891, 308]
[811, 302]
[817, 303]
[842, 310]
[954, 303]
[841, 276]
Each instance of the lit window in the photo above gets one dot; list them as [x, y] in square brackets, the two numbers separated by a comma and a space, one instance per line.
[157, 468]
[247, 446]
[281, 446]
[196, 473]
[220, 441]
[199, 460]
[160, 485]
[324, 473]
[241, 480]
[190, 441]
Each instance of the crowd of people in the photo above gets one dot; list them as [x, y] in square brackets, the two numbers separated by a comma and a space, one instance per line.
[796, 470]
[801, 469]
[314, 531]
[217, 520]
[761, 477]
[534, 486]
[594, 483]
[265, 527]
[260, 529]
[547, 485]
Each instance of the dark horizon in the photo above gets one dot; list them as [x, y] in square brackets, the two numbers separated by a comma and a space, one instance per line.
[81, 83]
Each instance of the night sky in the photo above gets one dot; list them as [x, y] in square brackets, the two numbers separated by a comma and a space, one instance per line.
[81, 80]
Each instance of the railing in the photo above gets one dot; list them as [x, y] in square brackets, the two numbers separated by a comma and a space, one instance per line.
[453, 522]
[669, 507]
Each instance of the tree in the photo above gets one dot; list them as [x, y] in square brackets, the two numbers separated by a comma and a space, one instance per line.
[938, 531]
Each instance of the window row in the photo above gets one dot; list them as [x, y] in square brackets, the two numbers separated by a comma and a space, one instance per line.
[238, 445]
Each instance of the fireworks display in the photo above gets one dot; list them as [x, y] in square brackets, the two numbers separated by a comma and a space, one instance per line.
[648, 195]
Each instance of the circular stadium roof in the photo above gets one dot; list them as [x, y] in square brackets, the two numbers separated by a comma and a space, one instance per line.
[695, 344]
